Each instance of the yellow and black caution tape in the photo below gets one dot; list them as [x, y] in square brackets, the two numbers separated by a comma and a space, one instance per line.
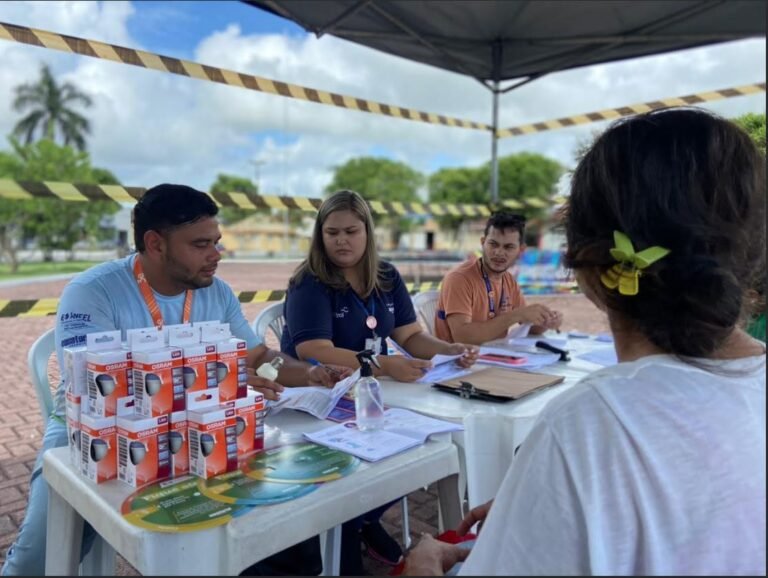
[143, 59]
[75, 192]
[614, 113]
[45, 307]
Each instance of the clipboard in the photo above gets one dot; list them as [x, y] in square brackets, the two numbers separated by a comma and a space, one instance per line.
[497, 384]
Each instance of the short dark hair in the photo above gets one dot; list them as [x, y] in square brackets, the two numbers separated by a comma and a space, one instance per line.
[165, 207]
[503, 220]
[687, 180]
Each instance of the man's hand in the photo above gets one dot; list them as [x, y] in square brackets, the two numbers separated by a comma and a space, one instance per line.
[433, 558]
[326, 375]
[536, 314]
[474, 516]
[270, 389]
[469, 353]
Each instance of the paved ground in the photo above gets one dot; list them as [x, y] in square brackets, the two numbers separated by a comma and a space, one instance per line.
[21, 424]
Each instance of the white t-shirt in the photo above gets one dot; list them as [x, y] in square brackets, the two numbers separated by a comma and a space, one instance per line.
[648, 467]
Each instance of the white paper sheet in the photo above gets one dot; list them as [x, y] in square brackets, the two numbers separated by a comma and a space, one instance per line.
[403, 429]
[519, 331]
[315, 400]
[605, 356]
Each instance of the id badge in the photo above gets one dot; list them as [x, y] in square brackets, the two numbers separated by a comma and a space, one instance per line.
[374, 344]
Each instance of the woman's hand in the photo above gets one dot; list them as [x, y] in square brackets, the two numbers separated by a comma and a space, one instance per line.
[326, 375]
[404, 368]
[433, 558]
[475, 515]
[270, 389]
[468, 353]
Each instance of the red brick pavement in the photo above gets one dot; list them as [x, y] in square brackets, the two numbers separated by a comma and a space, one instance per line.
[21, 425]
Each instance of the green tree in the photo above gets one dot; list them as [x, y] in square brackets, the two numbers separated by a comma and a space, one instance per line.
[379, 179]
[456, 185]
[231, 183]
[521, 176]
[50, 106]
[754, 124]
[53, 223]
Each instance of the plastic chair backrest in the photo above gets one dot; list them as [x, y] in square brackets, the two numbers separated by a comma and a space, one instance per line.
[37, 362]
[271, 317]
[425, 304]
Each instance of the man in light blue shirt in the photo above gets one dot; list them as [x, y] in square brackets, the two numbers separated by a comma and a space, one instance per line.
[170, 280]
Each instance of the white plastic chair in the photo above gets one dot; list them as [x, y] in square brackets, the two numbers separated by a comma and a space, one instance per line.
[100, 560]
[37, 362]
[425, 305]
[271, 317]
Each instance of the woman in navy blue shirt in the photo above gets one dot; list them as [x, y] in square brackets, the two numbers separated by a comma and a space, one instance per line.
[343, 299]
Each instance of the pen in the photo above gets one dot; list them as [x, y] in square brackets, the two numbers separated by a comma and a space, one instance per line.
[313, 361]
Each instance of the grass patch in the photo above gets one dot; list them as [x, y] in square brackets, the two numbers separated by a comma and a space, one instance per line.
[41, 269]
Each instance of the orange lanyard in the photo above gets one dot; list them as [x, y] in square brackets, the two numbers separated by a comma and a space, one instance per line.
[149, 297]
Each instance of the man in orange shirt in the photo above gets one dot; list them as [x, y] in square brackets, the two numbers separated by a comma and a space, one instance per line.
[480, 300]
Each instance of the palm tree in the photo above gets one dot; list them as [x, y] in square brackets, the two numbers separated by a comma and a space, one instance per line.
[49, 107]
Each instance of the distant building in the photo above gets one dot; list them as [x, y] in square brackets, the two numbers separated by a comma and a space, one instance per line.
[263, 236]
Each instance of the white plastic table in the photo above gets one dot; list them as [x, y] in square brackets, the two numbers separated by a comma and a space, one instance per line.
[245, 540]
[492, 430]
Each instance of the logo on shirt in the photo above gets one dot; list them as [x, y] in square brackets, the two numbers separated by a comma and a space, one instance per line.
[391, 307]
[84, 317]
[341, 313]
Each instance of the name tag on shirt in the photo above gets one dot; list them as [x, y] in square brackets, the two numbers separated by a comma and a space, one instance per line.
[373, 344]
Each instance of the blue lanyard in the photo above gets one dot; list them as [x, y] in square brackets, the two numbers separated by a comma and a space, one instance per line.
[372, 312]
[489, 290]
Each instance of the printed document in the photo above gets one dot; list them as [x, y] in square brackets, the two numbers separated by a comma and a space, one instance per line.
[402, 430]
[316, 400]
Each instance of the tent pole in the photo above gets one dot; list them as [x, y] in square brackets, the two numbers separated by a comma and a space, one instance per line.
[495, 146]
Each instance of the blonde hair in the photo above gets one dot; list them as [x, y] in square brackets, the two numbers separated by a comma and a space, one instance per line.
[319, 265]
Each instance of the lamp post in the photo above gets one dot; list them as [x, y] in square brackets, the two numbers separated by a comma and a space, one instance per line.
[257, 164]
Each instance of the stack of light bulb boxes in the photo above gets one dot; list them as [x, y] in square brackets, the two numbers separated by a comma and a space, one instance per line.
[164, 403]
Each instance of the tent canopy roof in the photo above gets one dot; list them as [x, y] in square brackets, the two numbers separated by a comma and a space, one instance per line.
[522, 39]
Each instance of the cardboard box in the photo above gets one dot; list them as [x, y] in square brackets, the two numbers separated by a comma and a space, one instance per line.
[75, 373]
[231, 368]
[73, 428]
[98, 448]
[249, 423]
[110, 379]
[143, 455]
[212, 436]
[199, 371]
[178, 444]
[158, 382]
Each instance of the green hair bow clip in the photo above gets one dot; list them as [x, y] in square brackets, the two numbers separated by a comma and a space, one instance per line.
[626, 273]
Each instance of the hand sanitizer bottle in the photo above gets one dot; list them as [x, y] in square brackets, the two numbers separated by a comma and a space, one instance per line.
[368, 404]
[270, 369]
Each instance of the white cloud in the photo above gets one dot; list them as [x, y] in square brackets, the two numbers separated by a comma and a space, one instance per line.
[151, 127]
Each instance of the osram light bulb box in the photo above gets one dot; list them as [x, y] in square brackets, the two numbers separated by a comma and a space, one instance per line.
[231, 368]
[143, 453]
[75, 372]
[98, 448]
[178, 444]
[158, 384]
[212, 435]
[73, 428]
[249, 426]
[199, 366]
[110, 383]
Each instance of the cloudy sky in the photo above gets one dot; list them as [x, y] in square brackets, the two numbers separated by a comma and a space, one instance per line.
[150, 127]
